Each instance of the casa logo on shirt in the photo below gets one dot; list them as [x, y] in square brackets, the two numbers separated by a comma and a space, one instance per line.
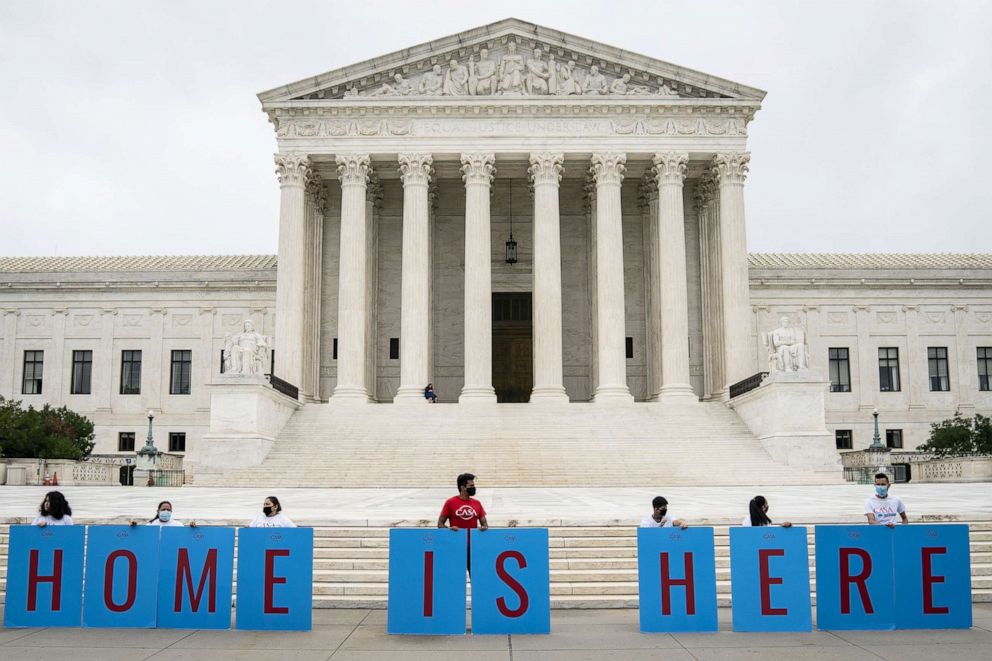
[466, 512]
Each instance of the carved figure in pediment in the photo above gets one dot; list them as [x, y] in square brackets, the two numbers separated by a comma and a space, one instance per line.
[665, 90]
[568, 84]
[432, 82]
[456, 79]
[622, 86]
[538, 74]
[595, 82]
[399, 87]
[511, 71]
[352, 91]
[482, 75]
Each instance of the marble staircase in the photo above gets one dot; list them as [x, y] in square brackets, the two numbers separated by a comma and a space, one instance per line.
[517, 445]
[591, 567]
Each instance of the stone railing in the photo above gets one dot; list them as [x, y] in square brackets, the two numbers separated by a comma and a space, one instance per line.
[916, 466]
[97, 470]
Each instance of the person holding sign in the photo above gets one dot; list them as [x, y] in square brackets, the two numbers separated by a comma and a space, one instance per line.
[660, 518]
[163, 517]
[464, 511]
[54, 511]
[271, 516]
[881, 508]
[758, 514]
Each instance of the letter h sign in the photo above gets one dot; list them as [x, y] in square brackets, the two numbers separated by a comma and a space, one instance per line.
[676, 571]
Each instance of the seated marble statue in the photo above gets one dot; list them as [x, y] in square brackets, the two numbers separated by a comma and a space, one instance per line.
[511, 72]
[245, 352]
[538, 74]
[787, 349]
[665, 90]
[432, 82]
[482, 75]
[456, 80]
[622, 86]
[595, 82]
[399, 87]
[567, 82]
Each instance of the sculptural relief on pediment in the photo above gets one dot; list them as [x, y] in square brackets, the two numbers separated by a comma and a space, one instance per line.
[512, 67]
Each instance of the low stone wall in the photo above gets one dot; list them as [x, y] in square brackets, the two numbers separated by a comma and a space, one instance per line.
[98, 470]
[860, 465]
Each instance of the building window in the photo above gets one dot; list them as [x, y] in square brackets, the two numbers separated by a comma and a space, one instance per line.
[181, 373]
[394, 348]
[630, 347]
[888, 369]
[893, 438]
[131, 372]
[840, 370]
[34, 365]
[334, 350]
[177, 441]
[985, 368]
[125, 441]
[82, 372]
[844, 439]
[937, 359]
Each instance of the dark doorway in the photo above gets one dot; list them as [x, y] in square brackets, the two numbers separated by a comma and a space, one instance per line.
[513, 365]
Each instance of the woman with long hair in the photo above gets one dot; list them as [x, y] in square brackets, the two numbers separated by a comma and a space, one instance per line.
[271, 516]
[54, 511]
[163, 517]
[758, 514]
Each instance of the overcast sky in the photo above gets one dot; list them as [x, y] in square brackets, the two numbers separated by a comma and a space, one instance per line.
[133, 127]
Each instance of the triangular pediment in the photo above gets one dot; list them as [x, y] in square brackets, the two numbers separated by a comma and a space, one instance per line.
[511, 58]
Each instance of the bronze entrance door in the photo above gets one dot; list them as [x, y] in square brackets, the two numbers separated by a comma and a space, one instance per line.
[513, 364]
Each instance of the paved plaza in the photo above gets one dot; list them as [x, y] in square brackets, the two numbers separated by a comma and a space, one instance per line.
[385, 506]
[360, 635]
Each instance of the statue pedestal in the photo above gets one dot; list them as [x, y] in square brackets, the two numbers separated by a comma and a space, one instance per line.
[246, 415]
[786, 413]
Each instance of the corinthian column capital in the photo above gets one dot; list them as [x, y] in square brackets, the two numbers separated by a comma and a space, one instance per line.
[731, 167]
[669, 167]
[546, 167]
[354, 169]
[292, 169]
[373, 192]
[647, 190]
[705, 189]
[608, 168]
[416, 169]
[478, 168]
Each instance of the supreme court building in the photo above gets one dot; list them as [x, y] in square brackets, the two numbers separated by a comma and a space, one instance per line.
[515, 215]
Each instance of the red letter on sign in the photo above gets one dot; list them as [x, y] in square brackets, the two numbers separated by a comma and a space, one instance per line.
[132, 581]
[271, 579]
[667, 582]
[861, 579]
[768, 581]
[510, 581]
[929, 579]
[428, 583]
[184, 576]
[55, 579]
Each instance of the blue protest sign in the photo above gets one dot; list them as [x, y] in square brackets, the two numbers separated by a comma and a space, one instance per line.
[769, 579]
[427, 581]
[511, 582]
[855, 577]
[44, 576]
[676, 579]
[933, 577]
[121, 576]
[275, 579]
[196, 567]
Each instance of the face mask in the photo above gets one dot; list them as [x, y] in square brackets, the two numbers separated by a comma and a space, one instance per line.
[663, 511]
[165, 516]
[881, 491]
[267, 511]
[471, 491]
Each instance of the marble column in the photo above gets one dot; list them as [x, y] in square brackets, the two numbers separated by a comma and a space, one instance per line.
[670, 170]
[416, 171]
[353, 172]
[589, 206]
[8, 356]
[607, 170]
[477, 172]
[310, 307]
[730, 170]
[57, 370]
[712, 296]
[648, 194]
[373, 207]
[293, 171]
[545, 172]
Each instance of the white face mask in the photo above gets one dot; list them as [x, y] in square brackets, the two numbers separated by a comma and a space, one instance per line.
[165, 516]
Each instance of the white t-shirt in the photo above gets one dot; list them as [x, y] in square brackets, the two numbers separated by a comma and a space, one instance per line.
[279, 520]
[886, 510]
[169, 524]
[649, 522]
[49, 520]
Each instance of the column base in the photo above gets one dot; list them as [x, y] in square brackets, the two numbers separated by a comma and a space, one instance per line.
[542, 394]
[356, 394]
[477, 395]
[612, 395]
[410, 395]
[681, 393]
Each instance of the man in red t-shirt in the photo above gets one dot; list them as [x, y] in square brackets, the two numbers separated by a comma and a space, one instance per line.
[464, 511]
